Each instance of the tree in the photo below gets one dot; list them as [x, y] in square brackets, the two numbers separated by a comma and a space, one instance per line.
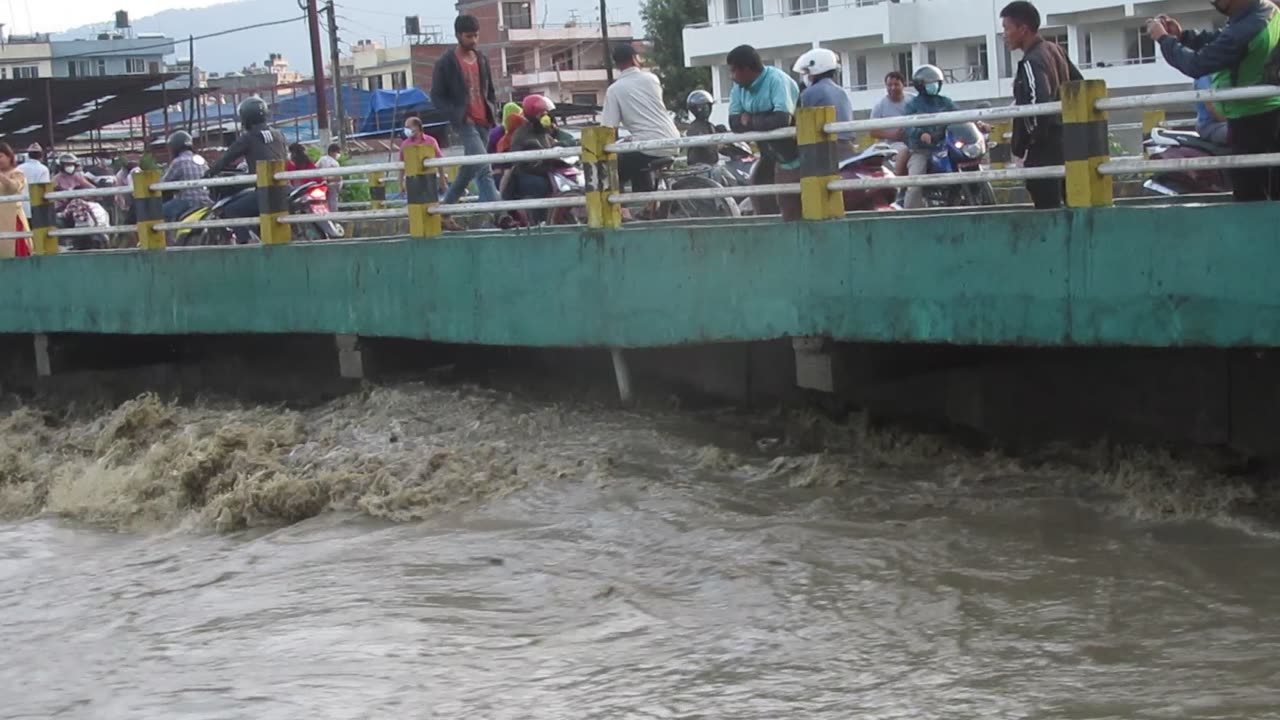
[664, 23]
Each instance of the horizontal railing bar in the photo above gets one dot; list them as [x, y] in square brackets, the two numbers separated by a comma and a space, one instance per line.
[553, 153]
[226, 181]
[965, 178]
[339, 171]
[563, 201]
[1147, 167]
[1186, 97]
[705, 193]
[206, 224]
[339, 216]
[12, 198]
[946, 118]
[700, 140]
[108, 230]
[89, 193]
[15, 235]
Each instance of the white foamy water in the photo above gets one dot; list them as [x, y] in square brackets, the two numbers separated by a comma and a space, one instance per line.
[419, 552]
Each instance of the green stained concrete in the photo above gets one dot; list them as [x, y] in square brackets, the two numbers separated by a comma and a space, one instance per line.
[1163, 276]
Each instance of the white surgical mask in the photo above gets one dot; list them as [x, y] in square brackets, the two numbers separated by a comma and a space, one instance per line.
[68, 169]
[408, 132]
[933, 88]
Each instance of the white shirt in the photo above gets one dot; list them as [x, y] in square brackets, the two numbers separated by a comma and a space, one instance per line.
[634, 102]
[35, 172]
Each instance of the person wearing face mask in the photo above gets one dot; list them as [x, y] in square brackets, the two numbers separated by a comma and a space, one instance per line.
[69, 177]
[924, 141]
[415, 135]
[1242, 54]
[529, 179]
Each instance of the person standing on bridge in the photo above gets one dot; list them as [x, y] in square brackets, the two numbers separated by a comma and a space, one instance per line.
[762, 99]
[1042, 71]
[35, 171]
[12, 217]
[462, 87]
[1238, 55]
[634, 102]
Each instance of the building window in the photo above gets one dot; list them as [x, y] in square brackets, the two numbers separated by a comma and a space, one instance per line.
[860, 73]
[975, 56]
[517, 15]
[135, 66]
[736, 11]
[562, 60]
[933, 56]
[375, 82]
[903, 63]
[1063, 40]
[516, 62]
[399, 80]
[584, 98]
[804, 7]
[27, 72]
[102, 67]
[1140, 48]
[1088, 49]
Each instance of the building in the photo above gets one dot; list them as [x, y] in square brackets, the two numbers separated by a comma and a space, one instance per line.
[111, 53]
[273, 77]
[374, 67]
[1105, 38]
[25, 56]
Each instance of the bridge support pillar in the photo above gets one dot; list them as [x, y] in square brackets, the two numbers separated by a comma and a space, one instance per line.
[44, 368]
[350, 357]
[622, 373]
[815, 364]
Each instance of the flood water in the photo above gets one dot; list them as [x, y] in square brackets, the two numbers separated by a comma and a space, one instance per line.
[461, 553]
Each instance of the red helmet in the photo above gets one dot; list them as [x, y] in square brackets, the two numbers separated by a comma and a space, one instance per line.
[535, 105]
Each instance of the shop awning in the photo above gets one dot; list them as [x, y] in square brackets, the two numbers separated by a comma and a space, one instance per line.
[77, 105]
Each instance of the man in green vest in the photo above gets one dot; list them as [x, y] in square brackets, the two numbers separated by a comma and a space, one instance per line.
[1237, 56]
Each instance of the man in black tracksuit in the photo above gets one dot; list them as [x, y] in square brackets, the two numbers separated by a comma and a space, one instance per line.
[1041, 73]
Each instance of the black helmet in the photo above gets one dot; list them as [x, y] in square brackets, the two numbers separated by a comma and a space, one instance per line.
[925, 75]
[253, 112]
[699, 103]
[179, 141]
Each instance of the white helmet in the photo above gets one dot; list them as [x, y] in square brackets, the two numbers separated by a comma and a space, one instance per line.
[817, 61]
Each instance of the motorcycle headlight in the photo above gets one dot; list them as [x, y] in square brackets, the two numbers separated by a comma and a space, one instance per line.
[973, 152]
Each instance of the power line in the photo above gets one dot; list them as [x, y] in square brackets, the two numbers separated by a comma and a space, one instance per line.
[170, 44]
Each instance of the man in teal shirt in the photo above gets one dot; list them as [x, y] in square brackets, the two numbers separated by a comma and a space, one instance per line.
[762, 99]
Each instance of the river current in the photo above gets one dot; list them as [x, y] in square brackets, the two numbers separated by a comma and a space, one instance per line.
[448, 552]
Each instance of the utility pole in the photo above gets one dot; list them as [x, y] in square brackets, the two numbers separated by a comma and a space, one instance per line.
[339, 113]
[191, 82]
[604, 34]
[317, 70]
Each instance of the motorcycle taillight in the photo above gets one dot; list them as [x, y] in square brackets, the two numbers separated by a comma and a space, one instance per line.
[318, 193]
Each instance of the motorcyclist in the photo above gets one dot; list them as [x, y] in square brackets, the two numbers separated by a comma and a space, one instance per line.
[184, 164]
[69, 177]
[924, 141]
[257, 142]
[700, 103]
[529, 179]
[817, 69]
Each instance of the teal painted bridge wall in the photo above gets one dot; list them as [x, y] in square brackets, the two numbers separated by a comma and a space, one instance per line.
[1166, 276]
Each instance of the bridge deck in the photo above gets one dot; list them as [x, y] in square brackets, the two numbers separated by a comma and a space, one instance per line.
[1140, 276]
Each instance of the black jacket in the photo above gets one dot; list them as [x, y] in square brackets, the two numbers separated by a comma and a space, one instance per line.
[1042, 71]
[449, 88]
[265, 143]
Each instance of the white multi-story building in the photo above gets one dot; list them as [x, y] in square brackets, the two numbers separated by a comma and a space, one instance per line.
[1105, 38]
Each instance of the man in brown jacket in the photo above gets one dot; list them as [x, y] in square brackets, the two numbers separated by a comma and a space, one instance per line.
[1043, 70]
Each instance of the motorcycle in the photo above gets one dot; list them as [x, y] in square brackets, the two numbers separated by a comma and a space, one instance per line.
[964, 148]
[310, 198]
[566, 179]
[1165, 144]
[874, 162]
[81, 213]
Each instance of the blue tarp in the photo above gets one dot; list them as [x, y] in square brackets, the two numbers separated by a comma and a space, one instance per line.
[387, 109]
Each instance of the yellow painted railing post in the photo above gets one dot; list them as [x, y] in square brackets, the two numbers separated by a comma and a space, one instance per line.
[377, 191]
[819, 164]
[1001, 134]
[1151, 119]
[147, 206]
[42, 243]
[421, 189]
[1086, 144]
[603, 178]
[273, 204]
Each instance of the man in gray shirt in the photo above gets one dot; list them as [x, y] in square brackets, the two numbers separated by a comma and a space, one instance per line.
[893, 104]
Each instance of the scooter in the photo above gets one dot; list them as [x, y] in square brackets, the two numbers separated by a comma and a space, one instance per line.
[81, 213]
[874, 162]
[1170, 144]
[565, 177]
[313, 199]
[307, 199]
[964, 148]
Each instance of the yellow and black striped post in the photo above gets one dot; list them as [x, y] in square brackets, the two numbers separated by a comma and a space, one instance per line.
[377, 191]
[819, 164]
[42, 221]
[421, 189]
[273, 203]
[147, 207]
[1151, 119]
[602, 180]
[1085, 144]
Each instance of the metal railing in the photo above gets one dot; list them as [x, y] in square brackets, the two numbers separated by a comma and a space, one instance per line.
[602, 198]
